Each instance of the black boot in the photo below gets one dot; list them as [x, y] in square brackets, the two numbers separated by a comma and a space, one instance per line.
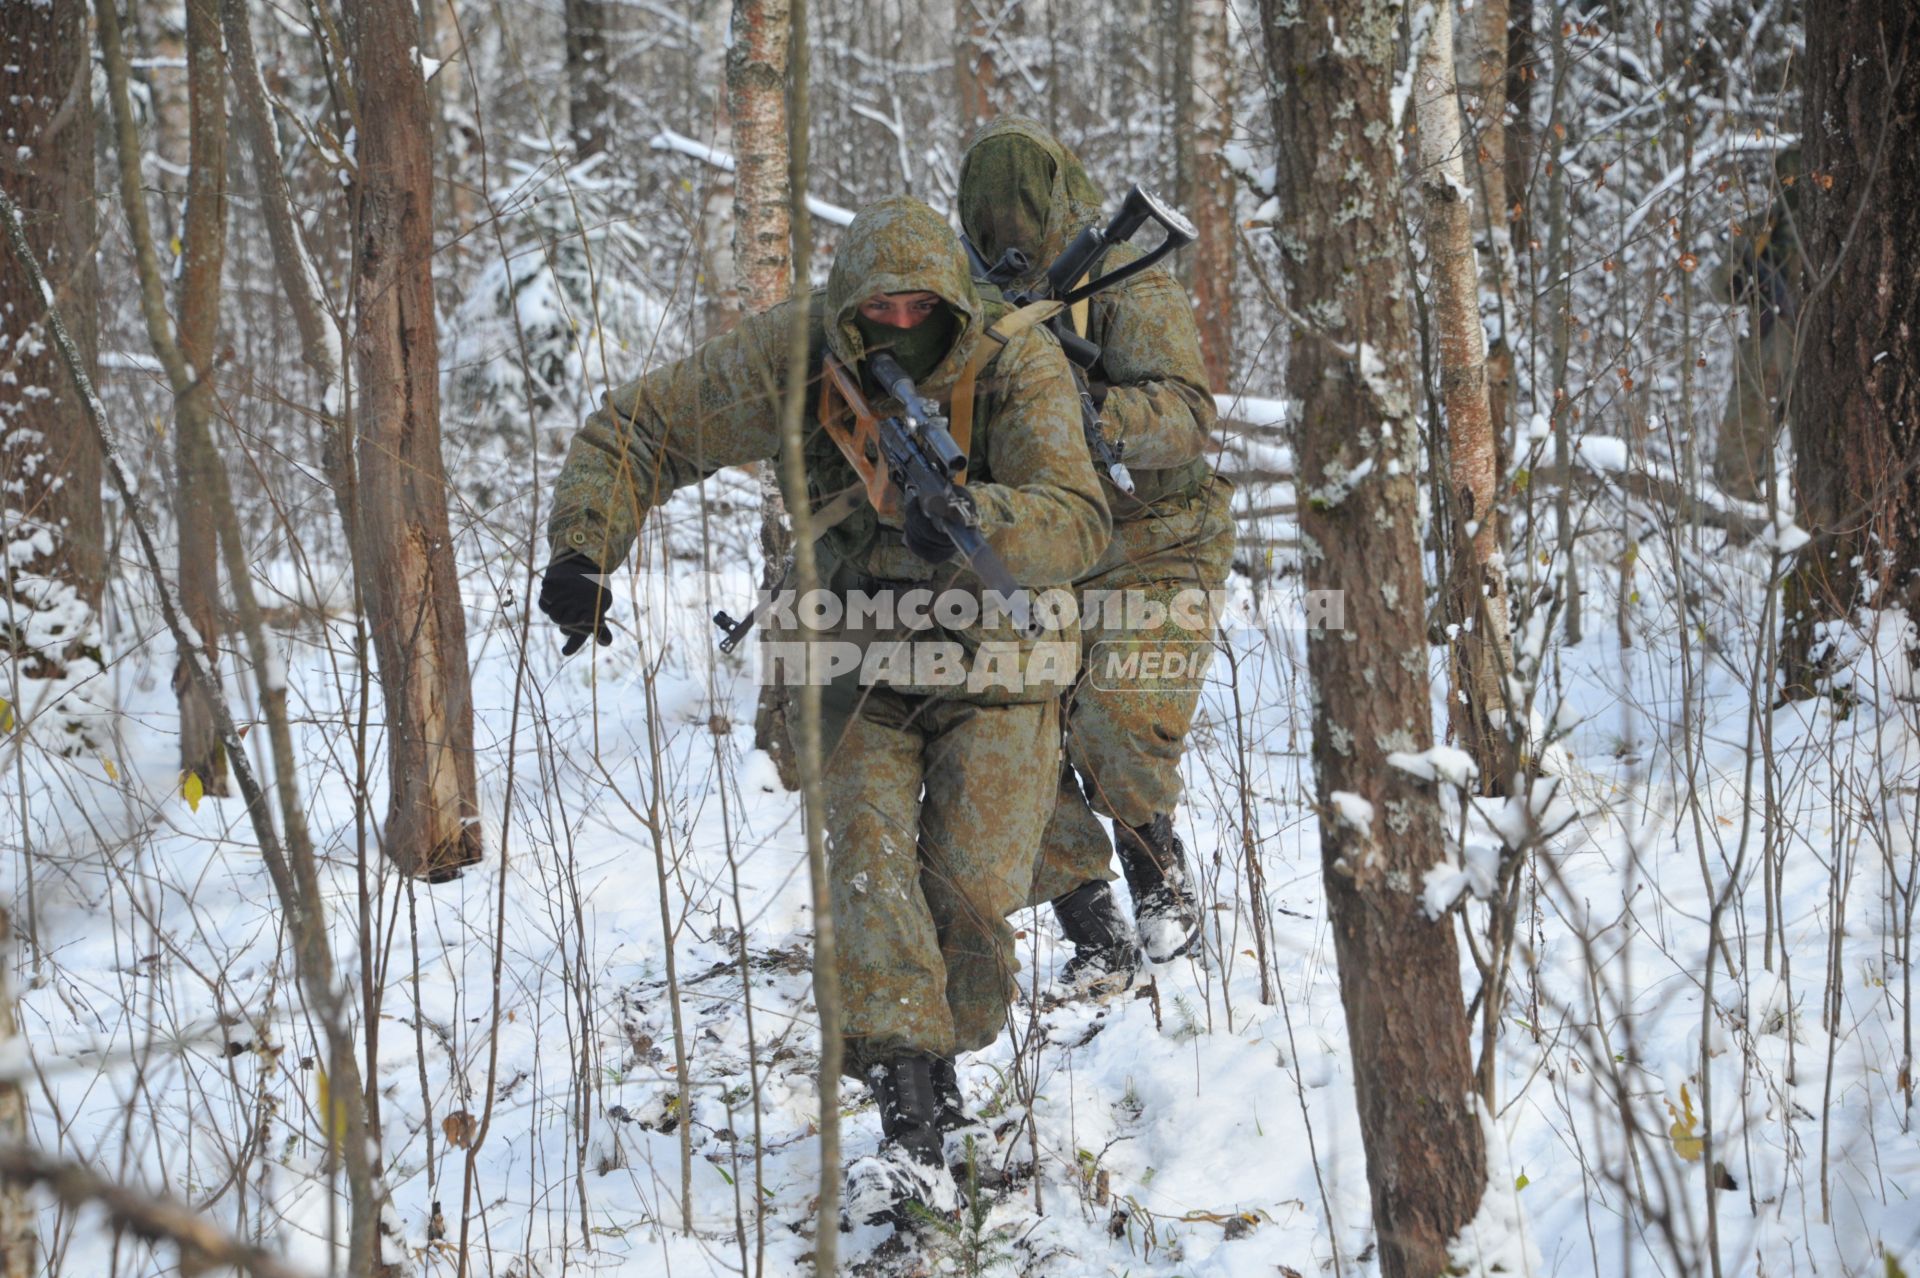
[908, 1179]
[950, 1106]
[1105, 956]
[1155, 862]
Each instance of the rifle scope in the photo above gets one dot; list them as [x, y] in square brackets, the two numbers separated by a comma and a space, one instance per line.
[924, 417]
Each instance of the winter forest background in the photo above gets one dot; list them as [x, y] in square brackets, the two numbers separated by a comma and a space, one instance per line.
[346, 274]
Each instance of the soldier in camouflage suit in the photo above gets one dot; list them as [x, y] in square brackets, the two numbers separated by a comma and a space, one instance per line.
[936, 793]
[1173, 538]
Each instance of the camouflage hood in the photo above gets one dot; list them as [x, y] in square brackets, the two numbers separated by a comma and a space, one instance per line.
[1019, 187]
[899, 245]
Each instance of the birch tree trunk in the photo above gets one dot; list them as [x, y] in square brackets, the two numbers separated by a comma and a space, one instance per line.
[52, 567]
[408, 576]
[1204, 124]
[1479, 649]
[1481, 71]
[763, 270]
[1856, 422]
[1358, 454]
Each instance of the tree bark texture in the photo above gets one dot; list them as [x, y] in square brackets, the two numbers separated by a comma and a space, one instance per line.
[52, 560]
[408, 578]
[159, 34]
[757, 103]
[19, 1228]
[718, 282]
[1358, 450]
[589, 105]
[975, 76]
[293, 266]
[763, 271]
[1479, 649]
[1856, 422]
[1480, 69]
[203, 255]
[1205, 184]
[1518, 140]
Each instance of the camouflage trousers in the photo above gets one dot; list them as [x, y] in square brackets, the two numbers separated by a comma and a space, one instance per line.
[934, 810]
[1128, 716]
[1743, 450]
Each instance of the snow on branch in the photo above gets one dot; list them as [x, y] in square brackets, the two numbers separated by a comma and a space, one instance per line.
[668, 140]
[1732, 144]
[1257, 414]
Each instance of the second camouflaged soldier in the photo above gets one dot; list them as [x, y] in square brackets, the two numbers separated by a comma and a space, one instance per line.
[1173, 540]
[937, 793]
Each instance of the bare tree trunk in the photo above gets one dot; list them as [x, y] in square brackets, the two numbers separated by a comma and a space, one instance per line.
[203, 255]
[187, 355]
[719, 291]
[19, 1230]
[293, 264]
[409, 583]
[1356, 438]
[159, 35]
[293, 267]
[1518, 141]
[975, 77]
[763, 270]
[1856, 429]
[757, 101]
[1479, 649]
[1481, 71]
[1560, 296]
[1203, 125]
[51, 552]
[589, 105]
[809, 743]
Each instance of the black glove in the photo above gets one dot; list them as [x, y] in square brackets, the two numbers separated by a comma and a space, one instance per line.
[928, 539]
[573, 596]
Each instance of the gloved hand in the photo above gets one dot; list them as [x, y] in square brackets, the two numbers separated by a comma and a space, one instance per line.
[573, 596]
[926, 538]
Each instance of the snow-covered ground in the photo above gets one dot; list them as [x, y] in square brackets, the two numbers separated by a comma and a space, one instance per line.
[552, 994]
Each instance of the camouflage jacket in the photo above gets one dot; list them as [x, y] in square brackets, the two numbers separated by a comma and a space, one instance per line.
[1159, 407]
[1040, 502]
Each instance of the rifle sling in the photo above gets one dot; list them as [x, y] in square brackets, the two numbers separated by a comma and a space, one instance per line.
[1010, 326]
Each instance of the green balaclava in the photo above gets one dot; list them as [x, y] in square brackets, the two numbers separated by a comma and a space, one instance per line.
[1008, 196]
[899, 245]
[920, 348]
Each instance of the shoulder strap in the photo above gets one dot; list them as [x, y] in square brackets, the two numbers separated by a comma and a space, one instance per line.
[1004, 330]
